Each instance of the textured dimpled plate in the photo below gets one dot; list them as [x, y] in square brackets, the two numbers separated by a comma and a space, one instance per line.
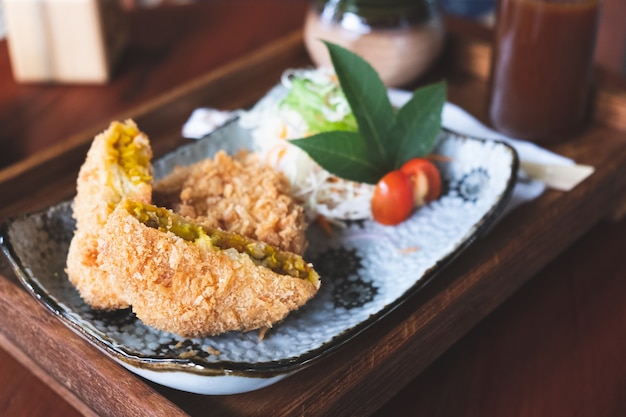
[366, 269]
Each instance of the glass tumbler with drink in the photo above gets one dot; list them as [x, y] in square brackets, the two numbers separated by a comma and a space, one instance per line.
[542, 67]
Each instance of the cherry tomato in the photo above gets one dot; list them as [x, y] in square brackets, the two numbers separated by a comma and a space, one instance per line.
[426, 180]
[392, 201]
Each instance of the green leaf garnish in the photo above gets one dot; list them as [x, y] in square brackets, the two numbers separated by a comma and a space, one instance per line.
[368, 99]
[418, 123]
[343, 154]
[386, 138]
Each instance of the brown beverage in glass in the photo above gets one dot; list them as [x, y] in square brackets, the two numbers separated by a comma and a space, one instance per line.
[541, 71]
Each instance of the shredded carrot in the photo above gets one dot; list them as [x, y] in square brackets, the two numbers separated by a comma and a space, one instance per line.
[323, 222]
[281, 154]
[283, 131]
[439, 158]
[408, 250]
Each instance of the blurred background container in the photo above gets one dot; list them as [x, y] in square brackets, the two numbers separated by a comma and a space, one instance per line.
[400, 38]
[482, 10]
[70, 41]
[542, 68]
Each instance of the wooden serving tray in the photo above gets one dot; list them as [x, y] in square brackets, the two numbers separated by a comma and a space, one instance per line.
[367, 372]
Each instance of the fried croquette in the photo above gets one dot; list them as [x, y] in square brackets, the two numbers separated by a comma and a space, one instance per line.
[194, 281]
[240, 194]
[117, 166]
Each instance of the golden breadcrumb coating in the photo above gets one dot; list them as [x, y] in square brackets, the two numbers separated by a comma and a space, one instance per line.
[190, 286]
[234, 264]
[117, 166]
[240, 194]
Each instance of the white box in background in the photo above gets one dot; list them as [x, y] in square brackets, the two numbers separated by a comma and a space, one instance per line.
[69, 41]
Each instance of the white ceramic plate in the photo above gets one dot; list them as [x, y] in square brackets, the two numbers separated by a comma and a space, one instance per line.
[366, 270]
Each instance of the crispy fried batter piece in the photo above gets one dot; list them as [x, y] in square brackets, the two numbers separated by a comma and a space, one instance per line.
[195, 281]
[239, 194]
[117, 166]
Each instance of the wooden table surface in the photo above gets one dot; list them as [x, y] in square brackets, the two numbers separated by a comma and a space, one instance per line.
[555, 348]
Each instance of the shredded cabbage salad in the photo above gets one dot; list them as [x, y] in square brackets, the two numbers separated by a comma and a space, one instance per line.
[308, 101]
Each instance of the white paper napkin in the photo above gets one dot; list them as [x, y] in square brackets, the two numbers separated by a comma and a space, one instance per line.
[204, 121]
[3, 25]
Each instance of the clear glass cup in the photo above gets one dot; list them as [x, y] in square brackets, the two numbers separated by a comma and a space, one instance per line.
[399, 38]
[542, 67]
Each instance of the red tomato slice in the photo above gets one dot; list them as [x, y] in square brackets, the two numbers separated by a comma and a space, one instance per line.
[392, 201]
[426, 180]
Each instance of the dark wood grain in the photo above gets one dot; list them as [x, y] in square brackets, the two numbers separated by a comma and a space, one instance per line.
[102, 385]
[556, 348]
[168, 45]
[25, 393]
[561, 327]
[161, 118]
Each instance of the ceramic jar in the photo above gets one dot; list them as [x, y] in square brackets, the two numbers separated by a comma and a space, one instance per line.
[400, 38]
